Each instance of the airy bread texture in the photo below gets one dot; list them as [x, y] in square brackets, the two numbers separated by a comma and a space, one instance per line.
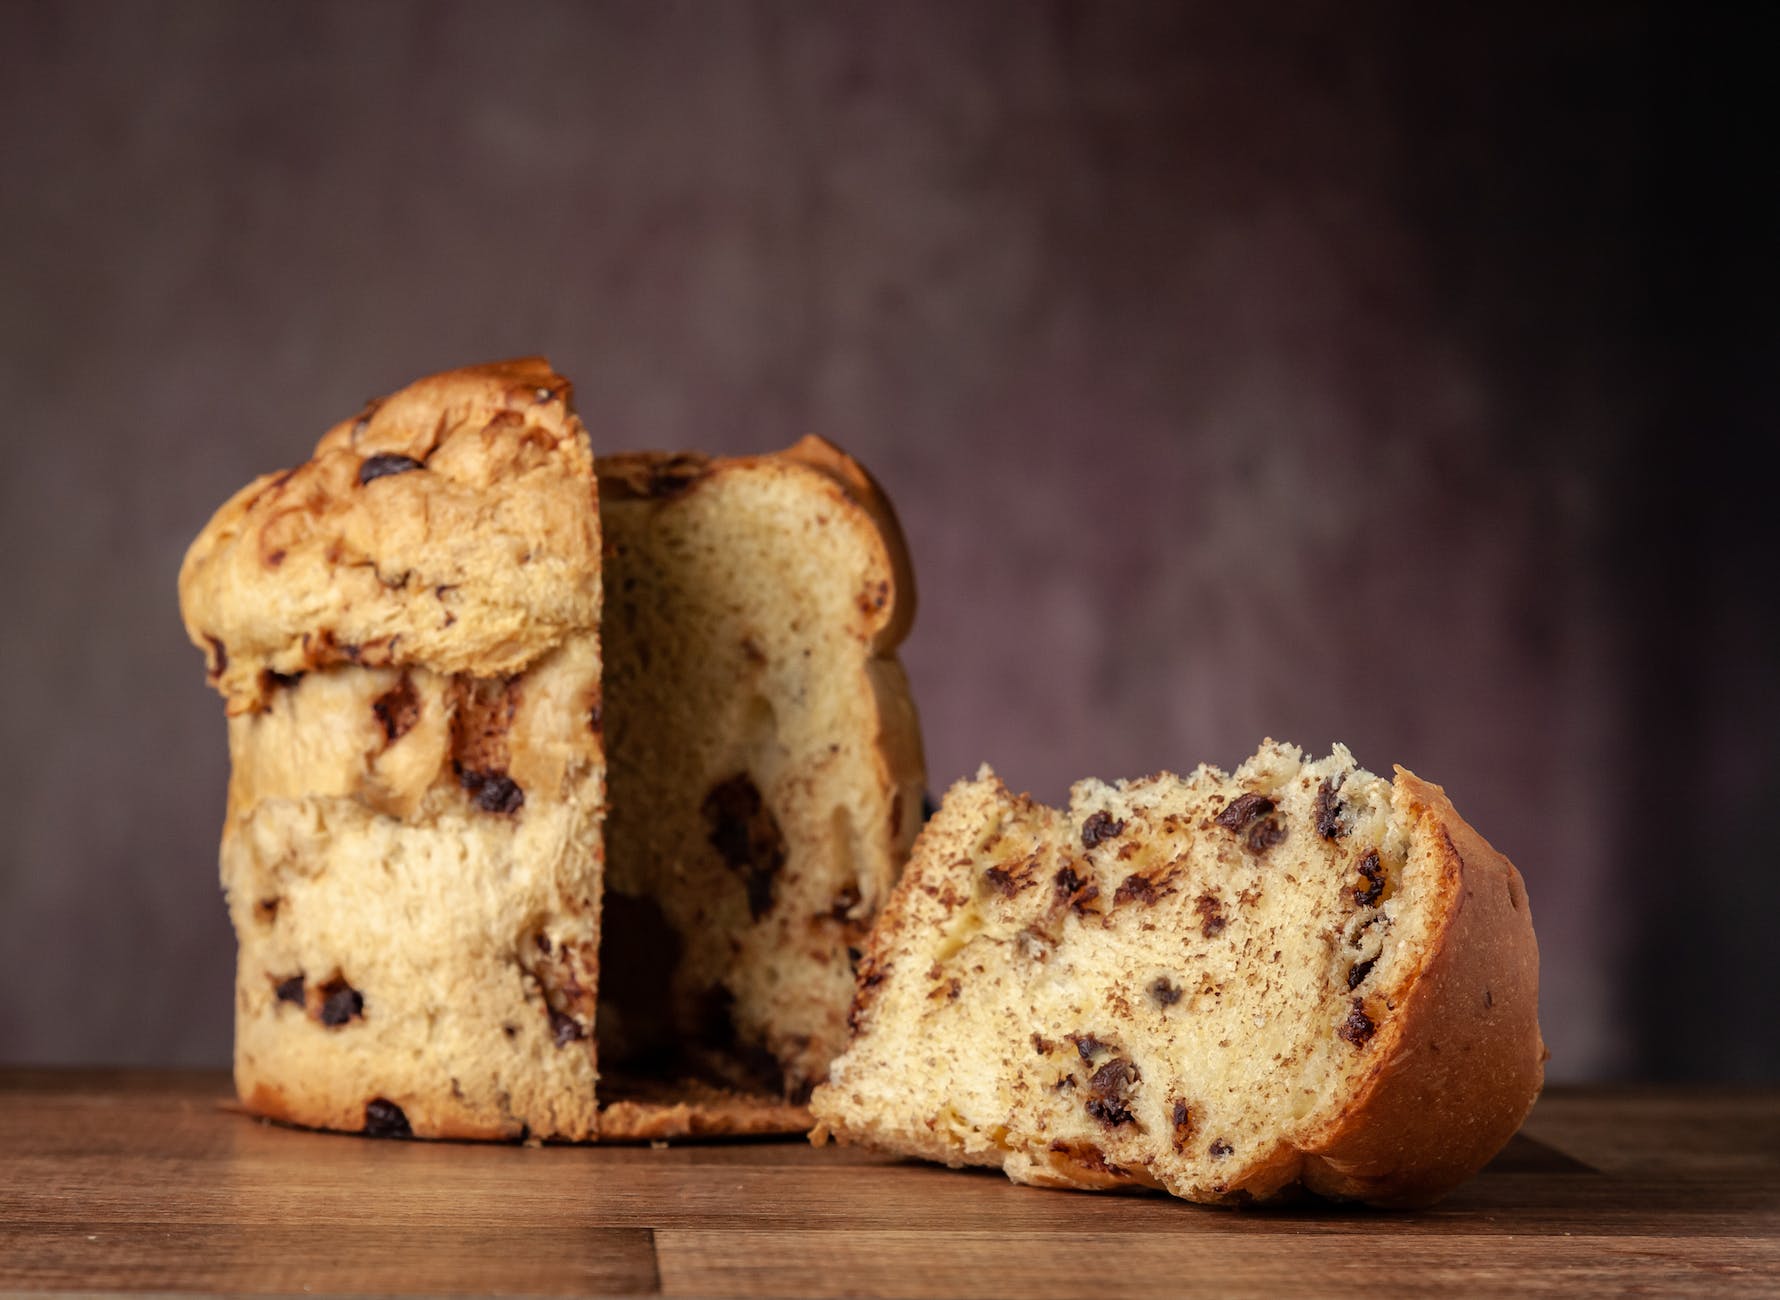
[1224, 986]
[405, 629]
[765, 760]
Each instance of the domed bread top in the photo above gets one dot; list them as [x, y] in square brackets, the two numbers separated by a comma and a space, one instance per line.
[641, 475]
[450, 526]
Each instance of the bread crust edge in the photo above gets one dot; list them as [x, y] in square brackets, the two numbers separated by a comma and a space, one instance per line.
[1460, 1066]
[311, 1108]
[285, 631]
[1420, 1121]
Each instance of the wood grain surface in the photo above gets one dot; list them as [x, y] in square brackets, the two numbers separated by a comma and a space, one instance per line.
[134, 1181]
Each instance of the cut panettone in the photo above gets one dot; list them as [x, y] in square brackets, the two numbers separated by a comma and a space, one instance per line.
[405, 629]
[407, 632]
[765, 761]
[1220, 985]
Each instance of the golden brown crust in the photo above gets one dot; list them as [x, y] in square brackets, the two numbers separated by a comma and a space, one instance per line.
[446, 526]
[899, 737]
[656, 1111]
[281, 1105]
[822, 455]
[634, 1110]
[639, 475]
[1461, 1064]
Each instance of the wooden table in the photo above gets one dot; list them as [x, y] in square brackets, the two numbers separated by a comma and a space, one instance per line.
[145, 1181]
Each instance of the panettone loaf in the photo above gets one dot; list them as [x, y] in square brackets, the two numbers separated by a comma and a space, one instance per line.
[405, 631]
[1225, 986]
[764, 759]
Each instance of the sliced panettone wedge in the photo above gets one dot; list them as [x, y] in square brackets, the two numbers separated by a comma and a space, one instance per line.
[765, 761]
[405, 630]
[1224, 986]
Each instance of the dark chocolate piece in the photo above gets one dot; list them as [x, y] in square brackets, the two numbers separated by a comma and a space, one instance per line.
[218, 659]
[1136, 888]
[1243, 809]
[1002, 881]
[1098, 827]
[384, 1119]
[1183, 1124]
[384, 464]
[745, 834]
[564, 1028]
[1328, 810]
[1264, 834]
[1211, 915]
[1358, 1026]
[340, 1003]
[492, 792]
[1110, 1092]
[1086, 1045]
[397, 709]
[1373, 870]
[1075, 889]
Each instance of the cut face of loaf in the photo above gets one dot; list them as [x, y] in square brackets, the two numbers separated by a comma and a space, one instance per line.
[405, 631]
[1222, 985]
[412, 867]
[766, 769]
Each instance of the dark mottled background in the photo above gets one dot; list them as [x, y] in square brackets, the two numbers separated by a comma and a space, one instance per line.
[1329, 372]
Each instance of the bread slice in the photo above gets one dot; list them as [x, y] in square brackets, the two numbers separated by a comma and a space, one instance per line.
[765, 760]
[405, 630]
[1219, 985]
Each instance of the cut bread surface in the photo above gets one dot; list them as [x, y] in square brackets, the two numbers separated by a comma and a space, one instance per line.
[412, 867]
[1222, 985]
[406, 630]
[766, 768]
